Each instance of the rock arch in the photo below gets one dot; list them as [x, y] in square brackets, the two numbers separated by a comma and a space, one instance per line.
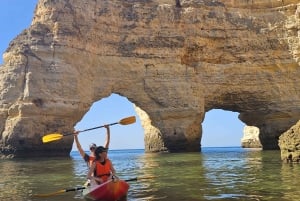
[173, 63]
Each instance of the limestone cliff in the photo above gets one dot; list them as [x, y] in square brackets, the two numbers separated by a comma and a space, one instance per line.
[289, 143]
[250, 138]
[175, 60]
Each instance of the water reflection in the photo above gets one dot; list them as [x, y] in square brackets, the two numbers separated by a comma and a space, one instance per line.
[13, 180]
[217, 174]
[242, 174]
[290, 181]
[179, 176]
[21, 178]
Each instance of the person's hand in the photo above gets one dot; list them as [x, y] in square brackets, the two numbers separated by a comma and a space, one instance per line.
[98, 180]
[114, 177]
[75, 133]
[106, 126]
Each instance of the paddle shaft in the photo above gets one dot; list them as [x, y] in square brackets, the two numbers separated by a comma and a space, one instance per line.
[83, 187]
[60, 191]
[132, 179]
[140, 178]
[75, 189]
[90, 129]
[97, 127]
[56, 136]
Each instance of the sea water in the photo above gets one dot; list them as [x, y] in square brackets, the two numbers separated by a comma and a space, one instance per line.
[229, 173]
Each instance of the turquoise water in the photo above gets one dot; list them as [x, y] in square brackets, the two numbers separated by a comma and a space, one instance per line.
[229, 173]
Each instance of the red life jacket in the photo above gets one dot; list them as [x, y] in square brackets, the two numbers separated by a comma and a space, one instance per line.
[91, 159]
[103, 170]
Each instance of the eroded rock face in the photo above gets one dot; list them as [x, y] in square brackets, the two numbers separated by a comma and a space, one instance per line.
[173, 62]
[250, 138]
[289, 143]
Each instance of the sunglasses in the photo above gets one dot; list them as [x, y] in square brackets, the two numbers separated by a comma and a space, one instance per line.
[92, 148]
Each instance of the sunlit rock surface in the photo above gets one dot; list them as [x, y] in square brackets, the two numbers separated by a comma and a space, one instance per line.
[173, 61]
[289, 143]
[250, 137]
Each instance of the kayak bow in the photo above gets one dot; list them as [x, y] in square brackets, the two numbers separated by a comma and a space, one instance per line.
[108, 191]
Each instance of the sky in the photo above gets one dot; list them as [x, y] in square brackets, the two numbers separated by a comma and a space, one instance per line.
[220, 128]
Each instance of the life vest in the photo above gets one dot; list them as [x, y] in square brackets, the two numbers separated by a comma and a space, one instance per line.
[103, 170]
[91, 159]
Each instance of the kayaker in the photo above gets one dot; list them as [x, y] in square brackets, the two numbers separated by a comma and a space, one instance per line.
[90, 158]
[102, 168]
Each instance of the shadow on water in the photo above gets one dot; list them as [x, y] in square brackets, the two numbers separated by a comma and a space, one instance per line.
[214, 174]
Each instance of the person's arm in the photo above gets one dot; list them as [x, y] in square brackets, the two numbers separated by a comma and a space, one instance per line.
[113, 172]
[91, 173]
[107, 140]
[82, 153]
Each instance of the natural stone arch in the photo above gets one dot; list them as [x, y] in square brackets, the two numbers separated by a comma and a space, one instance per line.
[174, 63]
[109, 110]
[182, 132]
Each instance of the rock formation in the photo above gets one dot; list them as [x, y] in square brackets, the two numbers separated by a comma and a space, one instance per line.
[174, 62]
[289, 143]
[250, 138]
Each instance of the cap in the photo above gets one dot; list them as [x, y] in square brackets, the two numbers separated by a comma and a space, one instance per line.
[93, 145]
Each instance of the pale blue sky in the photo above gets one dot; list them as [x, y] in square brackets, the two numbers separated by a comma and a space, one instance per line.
[220, 128]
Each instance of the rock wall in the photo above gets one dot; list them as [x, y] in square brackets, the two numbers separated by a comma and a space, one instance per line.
[175, 60]
[289, 143]
[250, 138]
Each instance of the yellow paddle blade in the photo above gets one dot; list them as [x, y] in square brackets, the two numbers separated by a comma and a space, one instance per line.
[49, 194]
[128, 120]
[57, 136]
[51, 137]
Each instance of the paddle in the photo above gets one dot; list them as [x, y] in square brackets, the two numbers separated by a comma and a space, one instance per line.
[140, 178]
[84, 187]
[57, 136]
[60, 191]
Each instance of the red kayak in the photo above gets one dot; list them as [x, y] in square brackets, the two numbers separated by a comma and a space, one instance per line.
[108, 191]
